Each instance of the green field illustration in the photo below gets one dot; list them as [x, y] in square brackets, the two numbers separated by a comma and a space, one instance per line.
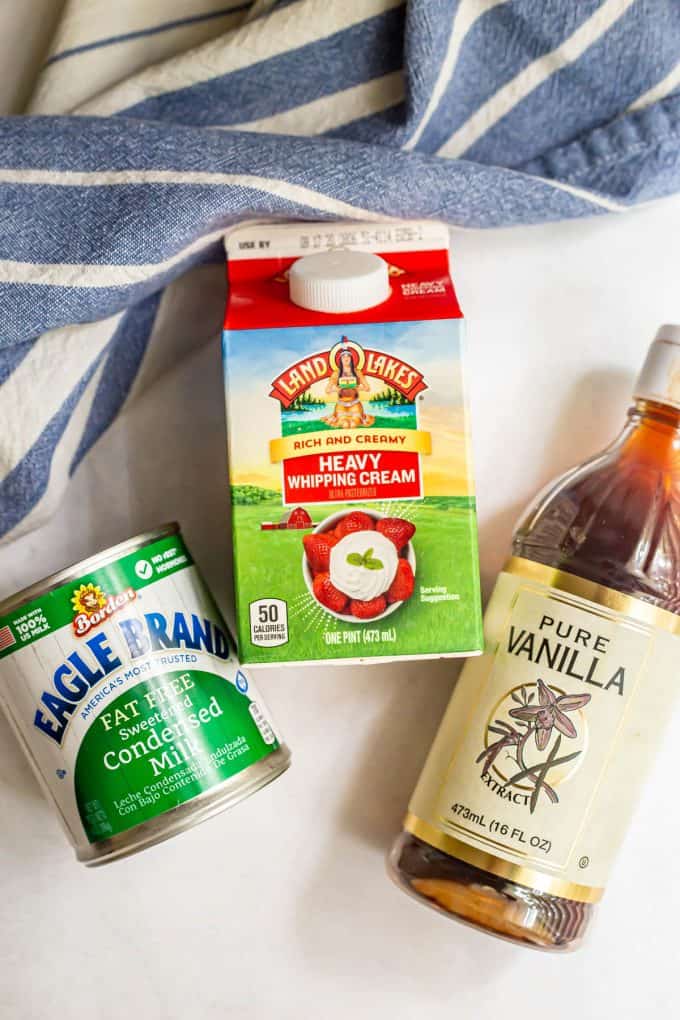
[445, 601]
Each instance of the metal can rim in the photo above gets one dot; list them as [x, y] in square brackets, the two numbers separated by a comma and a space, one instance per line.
[94, 562]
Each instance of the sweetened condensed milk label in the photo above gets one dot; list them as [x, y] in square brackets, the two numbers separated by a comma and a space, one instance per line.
[123, 688]
[549, 735]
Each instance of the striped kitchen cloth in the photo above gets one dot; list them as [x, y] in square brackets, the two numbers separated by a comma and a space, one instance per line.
[155, 125]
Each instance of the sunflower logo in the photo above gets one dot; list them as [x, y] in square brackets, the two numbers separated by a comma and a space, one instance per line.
[88, 599]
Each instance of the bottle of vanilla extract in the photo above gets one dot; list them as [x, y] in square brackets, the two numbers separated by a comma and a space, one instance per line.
[533, 776]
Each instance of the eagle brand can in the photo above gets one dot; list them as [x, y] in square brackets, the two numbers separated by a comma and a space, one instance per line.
[120, 682]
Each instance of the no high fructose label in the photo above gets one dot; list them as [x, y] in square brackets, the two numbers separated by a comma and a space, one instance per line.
[128, 696]
[96, 598]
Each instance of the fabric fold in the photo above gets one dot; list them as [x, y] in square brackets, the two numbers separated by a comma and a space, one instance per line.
[155, 128]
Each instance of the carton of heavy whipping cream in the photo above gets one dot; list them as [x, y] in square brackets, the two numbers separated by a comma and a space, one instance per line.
[353, 511]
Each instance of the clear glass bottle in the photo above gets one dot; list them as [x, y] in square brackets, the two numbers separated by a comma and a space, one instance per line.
[604, 541]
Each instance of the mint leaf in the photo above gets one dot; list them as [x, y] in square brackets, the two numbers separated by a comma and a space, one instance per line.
[367, 560]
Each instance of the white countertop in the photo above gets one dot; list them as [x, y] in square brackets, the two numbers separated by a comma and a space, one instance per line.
[280, 907]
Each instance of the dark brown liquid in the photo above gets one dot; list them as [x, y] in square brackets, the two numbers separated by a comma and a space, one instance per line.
[616, 520]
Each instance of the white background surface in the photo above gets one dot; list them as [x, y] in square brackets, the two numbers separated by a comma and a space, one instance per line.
[281, 907]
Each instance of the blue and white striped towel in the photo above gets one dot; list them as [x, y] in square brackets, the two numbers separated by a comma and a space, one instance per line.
[155, 125]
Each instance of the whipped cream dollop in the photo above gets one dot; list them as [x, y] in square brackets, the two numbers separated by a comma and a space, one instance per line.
[356, 579]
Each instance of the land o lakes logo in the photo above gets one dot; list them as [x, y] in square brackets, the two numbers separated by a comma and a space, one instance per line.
[92, 606]
[524, 755]
[345, 365]
[349, 427]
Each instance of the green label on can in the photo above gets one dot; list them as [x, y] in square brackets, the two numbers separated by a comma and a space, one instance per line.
[165, 742]
[125, 692]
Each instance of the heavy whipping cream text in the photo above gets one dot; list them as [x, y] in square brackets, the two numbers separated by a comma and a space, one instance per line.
[342, 471]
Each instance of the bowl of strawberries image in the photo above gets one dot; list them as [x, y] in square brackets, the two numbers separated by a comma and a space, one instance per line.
[360, 564]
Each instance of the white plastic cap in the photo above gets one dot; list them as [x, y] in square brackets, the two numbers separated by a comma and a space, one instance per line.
[659, 379]
[339, 281]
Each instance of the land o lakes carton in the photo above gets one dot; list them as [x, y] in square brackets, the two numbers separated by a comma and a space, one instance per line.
[353, 506]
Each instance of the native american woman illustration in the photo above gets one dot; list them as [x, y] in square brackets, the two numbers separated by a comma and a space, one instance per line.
[347, 382]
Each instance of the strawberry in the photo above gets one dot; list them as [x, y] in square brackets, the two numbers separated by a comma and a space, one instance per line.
[328, 595]
[367, 610]
[397, 530]
[318, 551]
[403, 584]
[354, 521]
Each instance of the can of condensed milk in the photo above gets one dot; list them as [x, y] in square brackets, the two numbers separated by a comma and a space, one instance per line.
[119, 679]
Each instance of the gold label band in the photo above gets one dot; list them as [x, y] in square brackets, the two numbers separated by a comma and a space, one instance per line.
[497, 866]
[628, 605]
[304, 444]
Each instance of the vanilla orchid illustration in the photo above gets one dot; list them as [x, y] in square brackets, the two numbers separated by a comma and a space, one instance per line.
[537, 721]
[550, 712]
[508, 737]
